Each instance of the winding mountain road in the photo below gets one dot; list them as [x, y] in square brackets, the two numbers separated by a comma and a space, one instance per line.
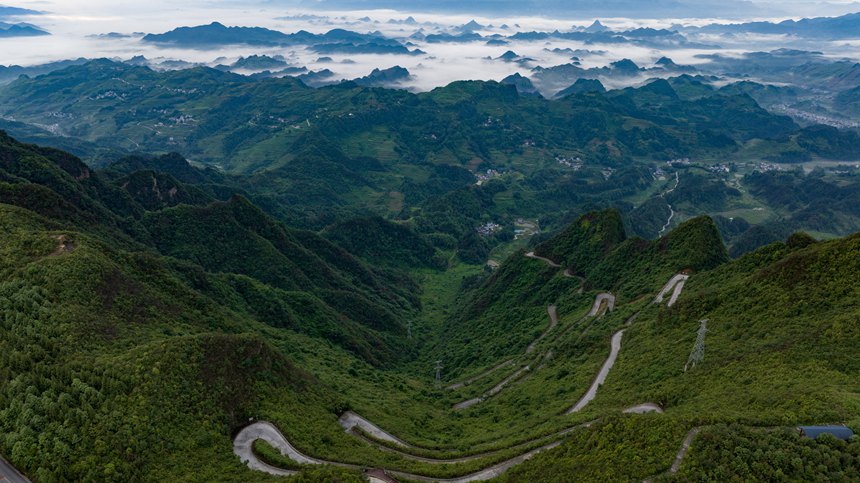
[601, 376]
[482, 375]
[243, 445]
[553, 321]
[268, 432]
[643, 408]
[671, 209]
[371, 433]
[598, 303]
[350, 420]
[685, 446]
[677, 282]
[493, 391]
[547, 260]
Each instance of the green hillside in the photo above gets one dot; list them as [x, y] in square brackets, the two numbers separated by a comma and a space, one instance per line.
[153, 308]
[316, 158]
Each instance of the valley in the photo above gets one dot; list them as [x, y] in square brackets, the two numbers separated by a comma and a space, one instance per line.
[267, 267]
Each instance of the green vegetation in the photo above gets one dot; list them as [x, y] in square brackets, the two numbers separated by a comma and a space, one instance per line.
[151, 307]
[315, 158]
[740, 453]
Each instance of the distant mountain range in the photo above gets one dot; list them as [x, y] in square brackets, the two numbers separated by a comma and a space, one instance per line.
[333, 41]
[16, 12]
[12, 72]
[825, 28]
[20, 30]
[566, 8]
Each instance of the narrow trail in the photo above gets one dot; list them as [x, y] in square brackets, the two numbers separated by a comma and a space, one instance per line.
[553, 322]
[677, 282]
[602, 303]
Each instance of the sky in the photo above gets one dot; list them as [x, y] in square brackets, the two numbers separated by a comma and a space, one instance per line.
[74, 22]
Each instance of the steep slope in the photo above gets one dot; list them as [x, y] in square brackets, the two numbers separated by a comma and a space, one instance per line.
[507, 310]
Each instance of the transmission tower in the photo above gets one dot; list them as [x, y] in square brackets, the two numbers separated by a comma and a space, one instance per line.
[409, 330]
[698, 353]
[438, 374]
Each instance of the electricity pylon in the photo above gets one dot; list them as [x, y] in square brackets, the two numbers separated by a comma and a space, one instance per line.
[698, 353]
[438, 374]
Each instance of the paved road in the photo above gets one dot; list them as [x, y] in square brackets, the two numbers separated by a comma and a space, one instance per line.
[351, 420]
[677, 282]
[644, 408]
[242, 447]
[598, 301]
[547, 260]
[479, 376]
[493, 391]
[685, 446]
[8, 473]
[569, 274]
[553, 321]
[671, 210]
[601, 376]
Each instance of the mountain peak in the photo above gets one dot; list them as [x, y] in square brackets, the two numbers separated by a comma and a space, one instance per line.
[596, 27]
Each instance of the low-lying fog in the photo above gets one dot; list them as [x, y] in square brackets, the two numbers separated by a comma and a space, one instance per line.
[75, 29]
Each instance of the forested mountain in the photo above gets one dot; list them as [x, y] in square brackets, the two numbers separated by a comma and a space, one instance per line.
[314, 157]
[140, 334]
[603, 267]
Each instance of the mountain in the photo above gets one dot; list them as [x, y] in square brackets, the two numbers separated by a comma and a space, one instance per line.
[824, 28]
[523, 84]
[596, 27]
[335, 40]
[364, 48]
[850, 99]
[562, 9]
[384, 78]
[259, 62]
[582, 86]
[150, 319]
[313, 157]
[20, 30]
[219, 34]
[7, 11]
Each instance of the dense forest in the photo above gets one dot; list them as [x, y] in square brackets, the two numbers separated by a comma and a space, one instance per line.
[313, 252]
